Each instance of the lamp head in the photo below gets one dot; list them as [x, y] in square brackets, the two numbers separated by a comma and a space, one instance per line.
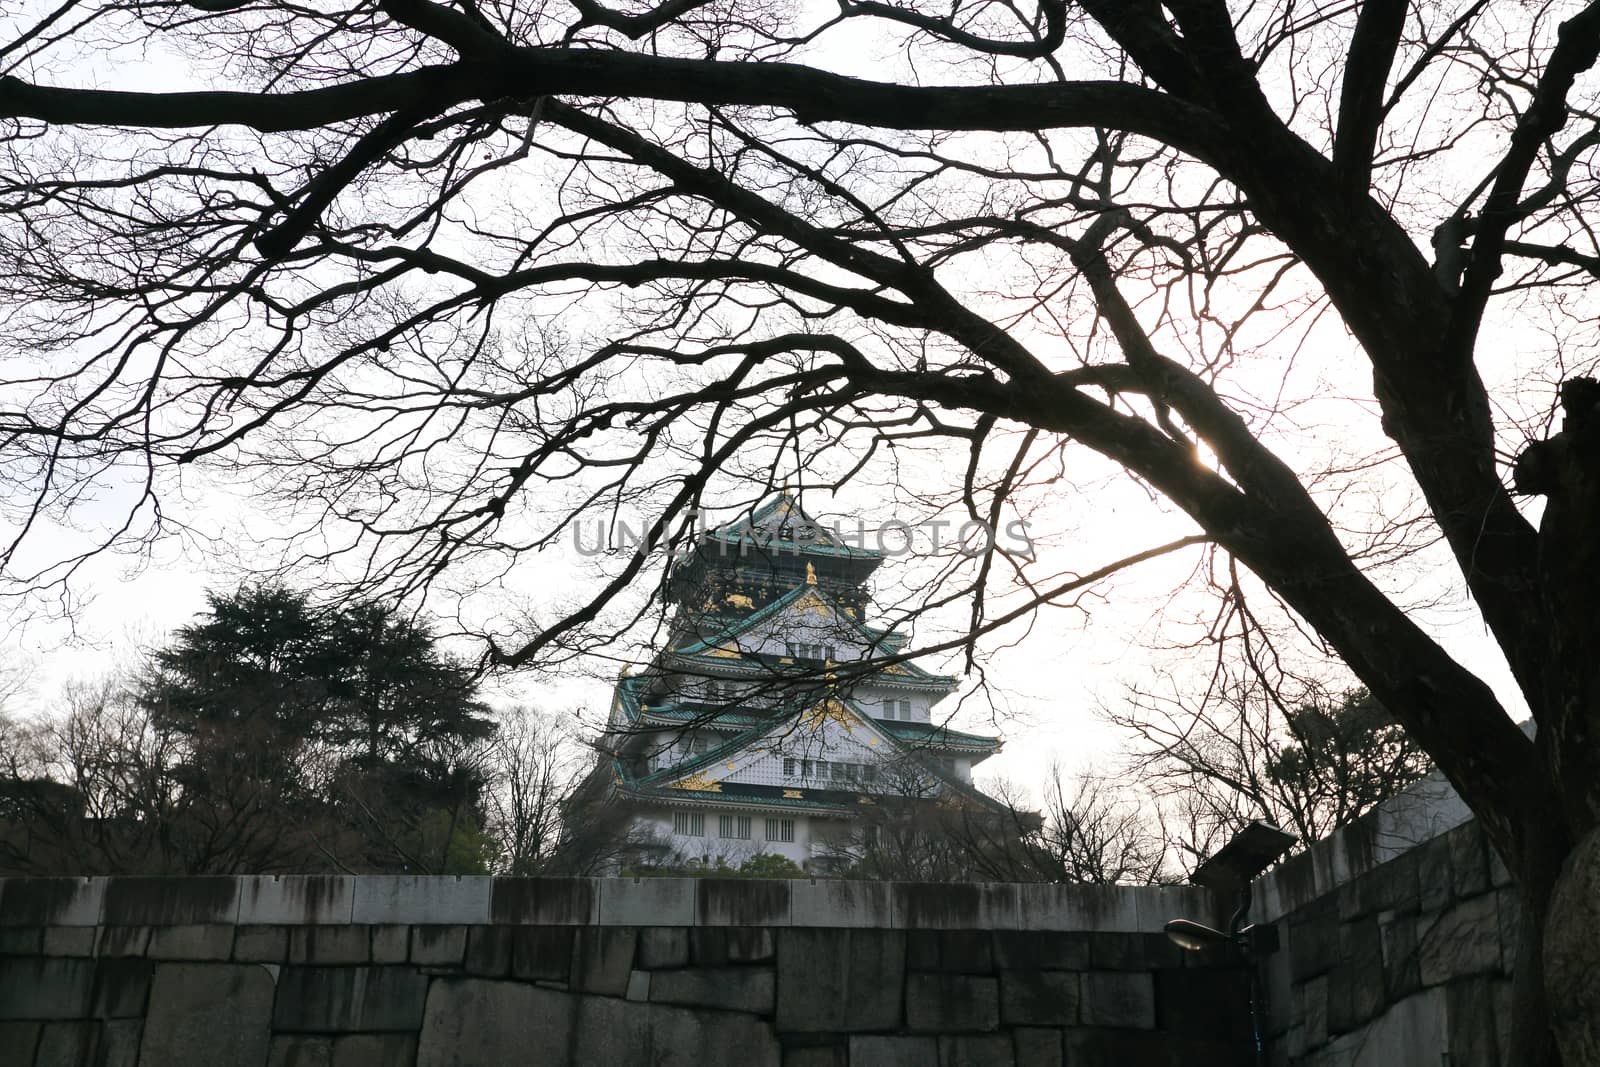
[1194, 937]
[1236, 864]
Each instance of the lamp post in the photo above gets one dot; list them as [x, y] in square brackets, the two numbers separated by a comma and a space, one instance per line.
[1233, 869]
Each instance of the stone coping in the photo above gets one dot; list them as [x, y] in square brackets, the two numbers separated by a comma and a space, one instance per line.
[1423, 811]
[474, 900]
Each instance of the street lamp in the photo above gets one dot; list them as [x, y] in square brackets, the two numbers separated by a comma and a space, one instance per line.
[1233, 869]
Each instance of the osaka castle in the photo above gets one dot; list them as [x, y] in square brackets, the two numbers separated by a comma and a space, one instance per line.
[776, 718]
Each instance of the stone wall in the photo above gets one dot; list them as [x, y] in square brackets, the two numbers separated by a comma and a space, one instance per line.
[346, 971]
[1394, 950]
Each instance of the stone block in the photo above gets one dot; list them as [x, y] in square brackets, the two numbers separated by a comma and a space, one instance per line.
[122, 941]
[545, 901]
[217, 1014]
[374, 1050]
[1435, 883]
[51, 901]
[647, 902]
[297, 899]
[470, 1022]
[1469, 860]
[392, 944]
[39, 987]
[489, 950]
[1134, 1048]
[1470, 1010]
[614, 1032]
[18, 1040]
[1037, 1047]
[1391, 886]
[977, 1050]
[334, 999]
[746, 989]
[1355, 984]
[1196, 1003]
[25, 940]
[543, 953]
[742, 902]
[438, 946]
[1122, 999]
[663, 946]
[1045, 950]
[69, 941]
[1509, 910]
[1314, 933]
[602, 959]
[840, 981]
[683, 1038]
[638, 986]
[841, 904]
[119, 1043]
[329, 944]
[955, 905]
[712, 946]
[941, 1003]
[922, 949]
[1039, 998]
[261, 944]
[171, 901]
[749, 944]
[418, 899]
[1079, 908]
[191, 942]
[1313, 1002]
[817, 1055]
[1461, 941]
[68, 1044]
[1397, 938]
[965, 951]
[881, 1051]
[1132, 952]
[121, 988]
[300, 1050]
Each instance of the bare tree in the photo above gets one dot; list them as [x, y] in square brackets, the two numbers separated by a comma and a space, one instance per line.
[532, 766]
[1096, 830]
[866, 242]
[1303, 755]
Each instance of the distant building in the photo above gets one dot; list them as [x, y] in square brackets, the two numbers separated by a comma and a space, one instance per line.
[776, 720]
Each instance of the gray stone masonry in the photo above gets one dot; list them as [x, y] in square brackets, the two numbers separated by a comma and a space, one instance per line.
[1402, 961]
[395, 972]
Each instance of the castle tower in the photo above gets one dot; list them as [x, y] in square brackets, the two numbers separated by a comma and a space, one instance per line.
[776, 718]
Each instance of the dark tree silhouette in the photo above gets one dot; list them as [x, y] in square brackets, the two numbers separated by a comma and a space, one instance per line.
[328, 254]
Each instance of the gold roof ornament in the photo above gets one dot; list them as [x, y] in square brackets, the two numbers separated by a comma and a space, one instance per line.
[811, 573]
[698, 783]
[831, 709]
[793, 794]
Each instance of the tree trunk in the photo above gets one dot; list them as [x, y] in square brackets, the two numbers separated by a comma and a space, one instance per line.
[1571, 958]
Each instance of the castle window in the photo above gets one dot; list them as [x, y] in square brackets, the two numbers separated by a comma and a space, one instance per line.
[734, 826]
[780, 829]
[689, 823]
[788, 767]
[822, 768]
